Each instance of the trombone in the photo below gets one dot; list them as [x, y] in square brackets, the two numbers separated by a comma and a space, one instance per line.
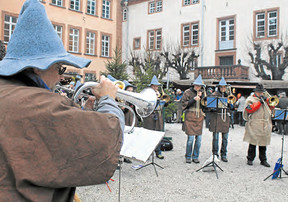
[204, 99]
[231, 99]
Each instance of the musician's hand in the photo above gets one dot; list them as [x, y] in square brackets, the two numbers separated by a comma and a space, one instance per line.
[105, 87]
[263, 99]
[196, 98]
[88, 105]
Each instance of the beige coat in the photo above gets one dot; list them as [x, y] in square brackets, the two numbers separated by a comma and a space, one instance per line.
[49, 146]
[259, 125]
[193, 124]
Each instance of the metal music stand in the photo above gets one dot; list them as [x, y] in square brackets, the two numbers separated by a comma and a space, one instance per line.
[152, 163]
[215, 103]
[281, 116]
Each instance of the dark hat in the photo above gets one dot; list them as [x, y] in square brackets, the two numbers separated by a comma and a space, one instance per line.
[259, 88]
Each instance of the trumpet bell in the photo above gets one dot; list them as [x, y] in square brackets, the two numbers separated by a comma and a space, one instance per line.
[204, 101]
[231, 99]
[120, 84]
[165, 98]
[273, 101]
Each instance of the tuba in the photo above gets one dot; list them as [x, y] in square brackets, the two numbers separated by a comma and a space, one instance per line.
[145, 101]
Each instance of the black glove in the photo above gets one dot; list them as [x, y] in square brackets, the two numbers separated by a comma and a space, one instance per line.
[262, 99]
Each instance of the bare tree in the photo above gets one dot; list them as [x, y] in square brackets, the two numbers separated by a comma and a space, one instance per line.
[181, 61]
[274, 65]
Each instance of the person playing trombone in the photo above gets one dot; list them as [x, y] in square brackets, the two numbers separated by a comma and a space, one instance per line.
[220, 122]
[49, 146]
[258, 128]
[194, 117]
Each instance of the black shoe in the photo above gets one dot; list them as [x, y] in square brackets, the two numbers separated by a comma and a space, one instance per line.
[196, 161]
[265, 163]
[224, 159]
[127, 160]
[188, 160]
[250, 163]
[159, 156]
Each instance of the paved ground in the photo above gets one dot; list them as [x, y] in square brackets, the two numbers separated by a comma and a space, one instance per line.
[179, 181]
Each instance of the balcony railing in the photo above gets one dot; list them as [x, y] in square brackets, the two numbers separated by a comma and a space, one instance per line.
[229, 72]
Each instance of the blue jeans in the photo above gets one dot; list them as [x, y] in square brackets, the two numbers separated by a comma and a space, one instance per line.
[215, 144]
[189, 146]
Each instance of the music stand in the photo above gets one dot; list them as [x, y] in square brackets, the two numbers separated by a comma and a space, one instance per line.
[215, 103]
[281, 116]
[152, 163]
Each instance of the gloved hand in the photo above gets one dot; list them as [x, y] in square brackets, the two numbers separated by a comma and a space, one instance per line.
[263, 99]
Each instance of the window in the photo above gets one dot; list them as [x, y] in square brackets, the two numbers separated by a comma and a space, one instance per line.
[106, 9]
[105, 48]
[266, 24]
[91, 7]
[190, 35]
[136, 43]
[90, 77]
[59, 30]
[189, 2]
[75, 5]
[154, 39]
[57, 2]
[155, 6]
[9, 26]
[226, 34]
[74, 35]
[125, 13]
[90, 43]
[226, 60]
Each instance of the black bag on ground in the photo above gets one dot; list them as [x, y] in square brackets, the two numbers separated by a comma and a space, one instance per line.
[166, 145]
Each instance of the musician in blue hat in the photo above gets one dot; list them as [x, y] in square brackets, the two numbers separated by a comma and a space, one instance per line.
[155, 120]
[49, 146]
[194, 117]
[220, 122]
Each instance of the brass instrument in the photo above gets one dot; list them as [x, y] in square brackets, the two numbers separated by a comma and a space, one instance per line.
[145, 101]
[204, 99]
[231, 99]
[197, 107]
[273, 100]
[163, 96]
[120, 84]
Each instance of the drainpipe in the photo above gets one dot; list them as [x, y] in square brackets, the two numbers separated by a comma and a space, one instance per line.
[127, 28]
[202, 32]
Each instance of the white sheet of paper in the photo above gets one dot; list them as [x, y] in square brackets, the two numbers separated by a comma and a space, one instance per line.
[141, 143]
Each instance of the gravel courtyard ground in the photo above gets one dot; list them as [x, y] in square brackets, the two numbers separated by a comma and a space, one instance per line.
[179, 181]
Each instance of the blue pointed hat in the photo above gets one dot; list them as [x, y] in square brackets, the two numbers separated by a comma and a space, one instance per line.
[35, 44]
[199, 81]
[222, 82]
[154, 81]
[111, 78]
[127, 84]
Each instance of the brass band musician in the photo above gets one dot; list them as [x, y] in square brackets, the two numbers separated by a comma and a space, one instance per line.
[194, 117]
[49, 146]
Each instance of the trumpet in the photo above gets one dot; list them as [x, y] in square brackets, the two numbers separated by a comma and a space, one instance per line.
[120, 84]
[145, 101]
[163, 96]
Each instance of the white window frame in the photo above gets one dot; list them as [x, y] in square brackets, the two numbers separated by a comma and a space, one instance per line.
[186, 35]
[106, 9]
[90, 43]
[151, 39]
[159, 6]
[105, 47]
[158, 38]
[57, 2]
[154, 39]
[91, 7]
[74, 37]
[187, 2]
[227, 29]
[260, 34]
[152, 6]
[271, 23]
[59, 30]
[11, 26]
[75, 5]
[194, 33]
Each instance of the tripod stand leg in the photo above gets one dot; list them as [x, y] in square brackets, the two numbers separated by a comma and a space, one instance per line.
[204, 166]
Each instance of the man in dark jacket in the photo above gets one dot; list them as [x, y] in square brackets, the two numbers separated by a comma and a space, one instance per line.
[48, 144]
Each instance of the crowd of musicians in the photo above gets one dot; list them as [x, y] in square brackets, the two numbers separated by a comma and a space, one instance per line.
[50, 145]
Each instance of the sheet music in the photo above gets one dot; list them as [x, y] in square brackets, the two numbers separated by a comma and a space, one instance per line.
[141, 143]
